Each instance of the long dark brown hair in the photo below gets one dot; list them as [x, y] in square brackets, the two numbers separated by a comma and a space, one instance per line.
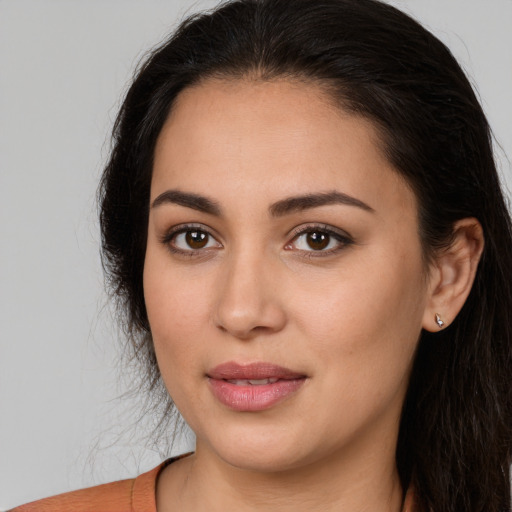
[456, 428]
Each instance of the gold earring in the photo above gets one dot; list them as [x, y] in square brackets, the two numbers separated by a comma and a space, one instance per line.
[439, 322]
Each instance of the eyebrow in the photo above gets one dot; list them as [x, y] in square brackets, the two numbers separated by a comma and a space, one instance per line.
[189, 200]
[299, 203]
[278, 209]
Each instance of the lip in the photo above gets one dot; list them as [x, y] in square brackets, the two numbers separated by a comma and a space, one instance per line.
[246, 397]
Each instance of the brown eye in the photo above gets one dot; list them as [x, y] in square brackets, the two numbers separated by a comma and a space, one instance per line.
[196, 239]
[317, 240]
[191, 239]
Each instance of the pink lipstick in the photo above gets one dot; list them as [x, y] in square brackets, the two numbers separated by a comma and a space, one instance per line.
[253, 387]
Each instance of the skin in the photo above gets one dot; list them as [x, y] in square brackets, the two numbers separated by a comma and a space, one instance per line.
[348, 316]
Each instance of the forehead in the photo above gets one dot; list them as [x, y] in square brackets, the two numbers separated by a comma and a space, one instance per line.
[275, 138]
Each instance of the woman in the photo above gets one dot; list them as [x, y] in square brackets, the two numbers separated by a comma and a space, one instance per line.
[302, 219]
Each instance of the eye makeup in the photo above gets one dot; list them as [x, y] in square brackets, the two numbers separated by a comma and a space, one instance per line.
[310, 240]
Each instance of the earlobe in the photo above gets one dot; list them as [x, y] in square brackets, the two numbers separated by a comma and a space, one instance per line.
[452, 274]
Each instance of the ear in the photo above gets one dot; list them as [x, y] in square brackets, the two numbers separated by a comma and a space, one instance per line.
[452, 274]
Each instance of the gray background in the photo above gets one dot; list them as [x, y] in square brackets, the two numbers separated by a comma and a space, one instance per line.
[63, 68]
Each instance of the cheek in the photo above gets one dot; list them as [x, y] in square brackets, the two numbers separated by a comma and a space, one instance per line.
[365, 324]
[360, 301]
[177, 308]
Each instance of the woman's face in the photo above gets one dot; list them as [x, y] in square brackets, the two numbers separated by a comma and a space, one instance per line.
[283, 279]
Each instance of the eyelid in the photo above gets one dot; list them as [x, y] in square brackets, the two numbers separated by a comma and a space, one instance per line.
[171, 233]
[344, 238]
[319, 226]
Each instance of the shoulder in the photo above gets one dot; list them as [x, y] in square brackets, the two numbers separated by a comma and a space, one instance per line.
[133, 495]
[112, 497]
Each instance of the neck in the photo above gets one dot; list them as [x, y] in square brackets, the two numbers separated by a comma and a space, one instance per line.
[340, 481]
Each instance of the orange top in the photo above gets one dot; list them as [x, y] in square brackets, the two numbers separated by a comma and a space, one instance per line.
[133, 495]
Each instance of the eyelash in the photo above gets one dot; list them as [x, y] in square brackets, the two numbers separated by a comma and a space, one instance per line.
[171, 235]
[343, 239]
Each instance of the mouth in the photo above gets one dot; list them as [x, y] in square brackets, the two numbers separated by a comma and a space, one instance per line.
[251, 382]
[253, 387]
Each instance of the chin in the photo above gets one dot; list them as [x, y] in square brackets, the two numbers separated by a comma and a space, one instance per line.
[261, 450]
[262, 460]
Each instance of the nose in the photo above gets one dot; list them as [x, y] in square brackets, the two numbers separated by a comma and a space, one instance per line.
[248, 300]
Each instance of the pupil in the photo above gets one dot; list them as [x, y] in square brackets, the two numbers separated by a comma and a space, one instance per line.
[318, 241]
[196, 239]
